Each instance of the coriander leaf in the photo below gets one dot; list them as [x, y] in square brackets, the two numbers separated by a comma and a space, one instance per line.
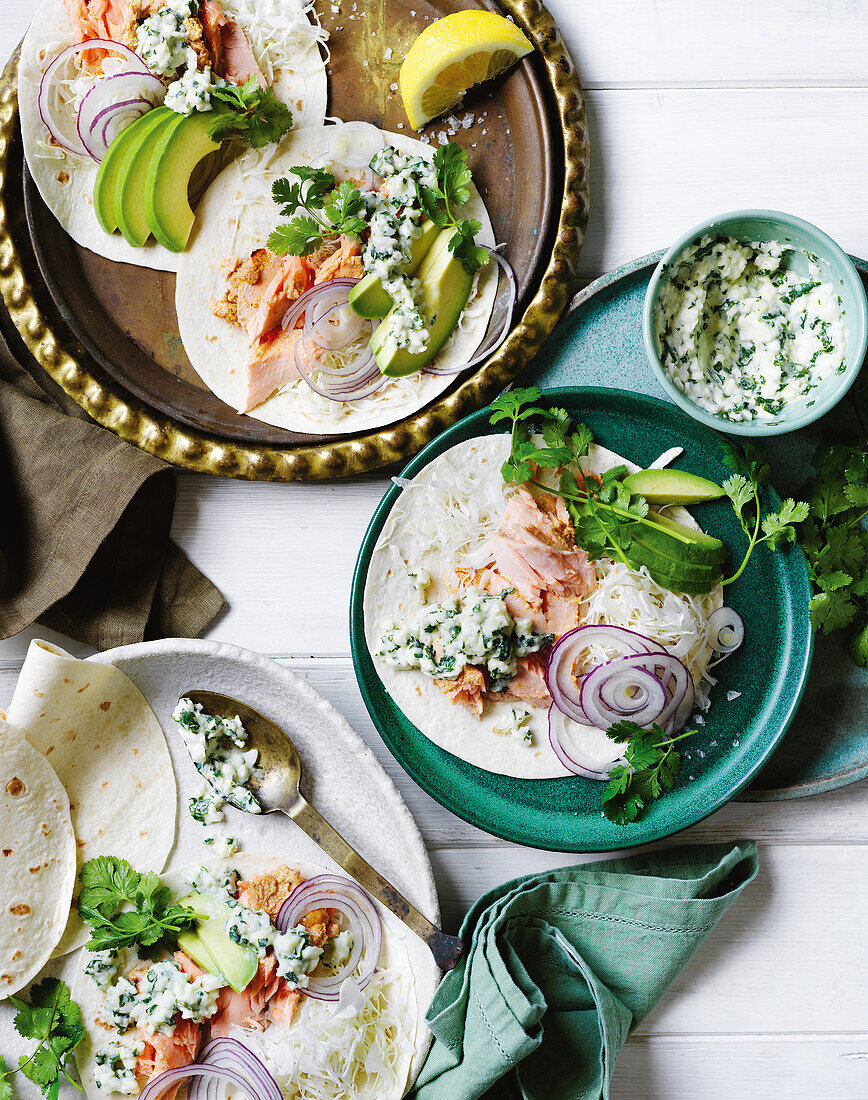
[286, 194]
[740, 492]
[300, 237]
[832, 582]
[54, 1019]
[249, 112]
[106, 883]
[511, 405]
[453, 173]
[777, 526]
[831, 610]
[461, 245]
[859, 647]
[343, 208]
[843, 548]
[5, 1080]
[826, 495]
[857, 495]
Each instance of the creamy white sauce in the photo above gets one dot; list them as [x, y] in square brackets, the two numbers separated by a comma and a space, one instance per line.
[742, 333]
[476, 629]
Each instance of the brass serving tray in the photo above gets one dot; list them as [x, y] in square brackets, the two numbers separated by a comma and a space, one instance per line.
[530, 154]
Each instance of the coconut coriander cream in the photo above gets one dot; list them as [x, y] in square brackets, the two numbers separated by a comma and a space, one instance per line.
[741, 333]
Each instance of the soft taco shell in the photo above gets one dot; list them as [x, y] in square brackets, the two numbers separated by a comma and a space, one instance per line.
[37, 860]
[391, 598]
[66, 181]
[234, 218]
[105, 744]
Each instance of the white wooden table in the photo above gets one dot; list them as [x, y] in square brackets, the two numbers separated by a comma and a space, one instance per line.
[694, 107]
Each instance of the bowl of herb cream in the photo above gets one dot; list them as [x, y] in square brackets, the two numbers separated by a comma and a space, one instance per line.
[755, 323]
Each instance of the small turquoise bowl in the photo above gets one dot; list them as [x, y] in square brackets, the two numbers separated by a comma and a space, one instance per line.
[772, 225]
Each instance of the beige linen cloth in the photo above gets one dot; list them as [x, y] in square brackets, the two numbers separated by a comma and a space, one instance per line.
[84, 522]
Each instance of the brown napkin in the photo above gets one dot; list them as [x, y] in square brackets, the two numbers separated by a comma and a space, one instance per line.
[84, 522]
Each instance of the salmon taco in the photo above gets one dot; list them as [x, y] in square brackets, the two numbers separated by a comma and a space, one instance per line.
[287, 981]
[339, 280]
[128, 105]
[529, 594]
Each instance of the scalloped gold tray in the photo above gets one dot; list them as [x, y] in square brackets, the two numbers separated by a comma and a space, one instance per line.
[118, 378]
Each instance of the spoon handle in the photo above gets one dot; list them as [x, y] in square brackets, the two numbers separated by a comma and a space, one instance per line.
[446, 950]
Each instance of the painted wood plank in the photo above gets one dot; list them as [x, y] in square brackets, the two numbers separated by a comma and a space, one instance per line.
[785, 958]
[799, 1067]
[663, 160]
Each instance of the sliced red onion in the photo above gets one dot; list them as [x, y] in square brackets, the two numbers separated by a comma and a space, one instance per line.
[564, 690]
[606, 684]
[139, 93]
[361, 378]
[230, 1054]
[592, 760]
[250, 1082]
[501, 336]
[725, 630]
[331, 891]
[46, 112]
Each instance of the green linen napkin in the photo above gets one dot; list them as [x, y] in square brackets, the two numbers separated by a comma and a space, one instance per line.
[84, 522]
[562, 966]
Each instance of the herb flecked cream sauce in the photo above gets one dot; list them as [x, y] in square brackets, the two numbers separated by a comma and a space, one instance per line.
[741, 333]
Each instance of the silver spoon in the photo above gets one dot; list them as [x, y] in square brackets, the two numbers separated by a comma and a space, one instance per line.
[276, 782]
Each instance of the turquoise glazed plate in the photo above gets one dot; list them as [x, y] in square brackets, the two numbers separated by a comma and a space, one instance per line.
[769, 671]
[600, 343]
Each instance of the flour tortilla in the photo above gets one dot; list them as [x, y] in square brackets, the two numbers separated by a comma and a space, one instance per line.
[390, 598]
[66, 181]
[37, 860]
[104, 742]
[400, 950]
[234, 218]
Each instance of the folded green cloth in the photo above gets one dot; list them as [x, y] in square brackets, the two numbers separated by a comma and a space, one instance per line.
[562, 966]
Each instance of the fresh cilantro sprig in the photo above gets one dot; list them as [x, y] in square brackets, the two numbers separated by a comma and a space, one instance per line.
[743, 488]
[325, 209]
[652, 765]
[453, 189]
[108, 885]
[249, 112]
[836, 545]
[54, 1020]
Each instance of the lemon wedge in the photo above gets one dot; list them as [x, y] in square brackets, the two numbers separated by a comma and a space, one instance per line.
[453, 54]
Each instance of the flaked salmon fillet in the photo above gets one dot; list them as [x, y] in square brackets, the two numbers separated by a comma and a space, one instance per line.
[259, 290]
[267, 892]
[467, 689]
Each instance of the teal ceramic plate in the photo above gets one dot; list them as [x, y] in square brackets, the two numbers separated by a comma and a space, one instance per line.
[600, 343]
[769, 670]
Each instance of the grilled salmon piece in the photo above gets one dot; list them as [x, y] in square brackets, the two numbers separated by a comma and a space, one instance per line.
[248, 1008]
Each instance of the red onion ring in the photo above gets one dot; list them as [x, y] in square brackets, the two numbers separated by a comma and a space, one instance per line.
[43, 100]
[331, 891]
[229, 1054]
[571, 758]
[144, 90]
[362, 378]
[559, 668]
[502, 335]
[172, 1077]
[638, 671]
[726, 630]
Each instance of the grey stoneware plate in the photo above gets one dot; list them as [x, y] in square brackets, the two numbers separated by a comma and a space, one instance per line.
[599, 343]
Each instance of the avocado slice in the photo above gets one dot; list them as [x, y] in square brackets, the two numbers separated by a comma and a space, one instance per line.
[672, 568]
[129, 204]
[681, 542]
[105, 185]
[180, 147]
[234, 962]
[192, 945]
[369, 298]
[445, 290]
[672, 487]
